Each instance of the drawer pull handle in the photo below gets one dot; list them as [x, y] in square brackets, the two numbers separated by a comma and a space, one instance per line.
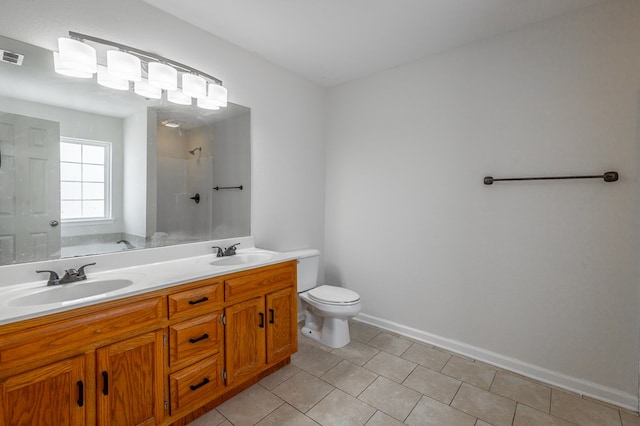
[195, 302]
[261, 325]
[105, 383]
[197, 339]
[80, 393]
[272, 316]
[199, 385]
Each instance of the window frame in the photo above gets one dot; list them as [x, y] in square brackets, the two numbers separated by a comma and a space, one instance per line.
[108, 164]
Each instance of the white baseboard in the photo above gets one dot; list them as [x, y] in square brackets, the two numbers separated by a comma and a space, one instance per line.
[555, 378]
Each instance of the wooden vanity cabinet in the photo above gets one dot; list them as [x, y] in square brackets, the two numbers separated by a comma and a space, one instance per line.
[261, 320]
[153, 359]
[49, 395]
[130, 381]
[104, 365]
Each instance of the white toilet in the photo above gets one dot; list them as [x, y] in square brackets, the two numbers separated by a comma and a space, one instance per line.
[327, 309]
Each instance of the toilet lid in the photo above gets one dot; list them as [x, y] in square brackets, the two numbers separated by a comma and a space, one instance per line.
[332, 294]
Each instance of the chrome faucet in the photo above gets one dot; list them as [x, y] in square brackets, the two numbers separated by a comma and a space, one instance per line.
[127, 244]
[231, 250]
[70, 275]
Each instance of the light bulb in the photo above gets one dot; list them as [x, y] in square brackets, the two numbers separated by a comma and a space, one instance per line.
[124, 65]
[217, 94]
[194, 85]
[107, 80]
[76, 55]
[163, 76]
[143, 88]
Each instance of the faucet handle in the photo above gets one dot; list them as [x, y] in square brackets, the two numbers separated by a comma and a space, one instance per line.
[53, 276]
[80, 271]
[231, 250]
[219, 252]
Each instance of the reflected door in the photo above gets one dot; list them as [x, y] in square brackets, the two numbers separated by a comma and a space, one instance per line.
[29, 189]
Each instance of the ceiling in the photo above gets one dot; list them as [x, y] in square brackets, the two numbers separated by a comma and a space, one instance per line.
[331, 42]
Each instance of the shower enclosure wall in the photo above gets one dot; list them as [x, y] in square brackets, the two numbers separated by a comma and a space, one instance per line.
[191, 162]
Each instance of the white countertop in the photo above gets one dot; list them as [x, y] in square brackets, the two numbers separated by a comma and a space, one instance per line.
[146, 277]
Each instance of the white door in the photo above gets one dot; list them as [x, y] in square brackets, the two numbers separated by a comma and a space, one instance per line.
[29, 189]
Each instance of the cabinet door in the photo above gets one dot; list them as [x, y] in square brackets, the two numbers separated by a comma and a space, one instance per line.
[51, 395]
[130, 381]
[282, 330]
[245, 336]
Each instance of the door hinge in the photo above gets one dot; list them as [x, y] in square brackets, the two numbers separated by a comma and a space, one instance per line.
[166, 405]
[224, 376]
[164, 339]
[223, 319]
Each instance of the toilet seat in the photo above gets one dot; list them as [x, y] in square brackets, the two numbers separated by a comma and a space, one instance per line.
[332, 295]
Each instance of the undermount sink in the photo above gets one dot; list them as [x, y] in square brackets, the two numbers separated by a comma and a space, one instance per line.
[85, 290]
[242, 259]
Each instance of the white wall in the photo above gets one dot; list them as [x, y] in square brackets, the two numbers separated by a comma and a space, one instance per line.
[287, 112]
[540, 277]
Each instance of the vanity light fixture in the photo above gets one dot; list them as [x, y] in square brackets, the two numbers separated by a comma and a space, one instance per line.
[74, 54]
[68, 70]
[178, 97]
[124, 65]
[106, 79]
[152, 74]
[194, 86]
[163, 76]
[207, 103]
[144, 89]
[217, 95]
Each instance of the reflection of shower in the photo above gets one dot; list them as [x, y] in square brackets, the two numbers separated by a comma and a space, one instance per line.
[193, 151]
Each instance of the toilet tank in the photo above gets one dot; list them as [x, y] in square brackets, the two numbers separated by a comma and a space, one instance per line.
[308, 264]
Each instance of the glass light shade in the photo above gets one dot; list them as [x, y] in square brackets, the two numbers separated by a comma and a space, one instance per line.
[177, 97]
[65, 70]
[194, 85]
[143, 88]
[124, 65]
[107, 80]
[206, 103]
[77, 55]
[217, 94]
[163, 76]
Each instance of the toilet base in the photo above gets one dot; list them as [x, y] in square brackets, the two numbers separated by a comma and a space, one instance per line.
[332, 332]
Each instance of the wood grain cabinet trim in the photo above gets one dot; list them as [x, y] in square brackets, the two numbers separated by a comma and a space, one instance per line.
[57, 338]
[247, 285]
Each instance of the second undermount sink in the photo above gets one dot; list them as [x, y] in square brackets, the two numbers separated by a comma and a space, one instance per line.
[242, 259]
[72, 293]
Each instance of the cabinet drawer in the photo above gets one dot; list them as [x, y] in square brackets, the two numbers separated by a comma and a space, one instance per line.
[243, 286]
[72, 335]
[194, 339]
[196, 384]
[195, 301]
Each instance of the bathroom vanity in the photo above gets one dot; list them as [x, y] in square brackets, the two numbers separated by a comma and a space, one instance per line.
[158, 357]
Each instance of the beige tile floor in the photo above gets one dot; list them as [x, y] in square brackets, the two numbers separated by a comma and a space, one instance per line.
[383, 379]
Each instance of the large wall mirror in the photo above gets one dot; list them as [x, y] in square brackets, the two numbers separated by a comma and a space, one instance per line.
[87, 170]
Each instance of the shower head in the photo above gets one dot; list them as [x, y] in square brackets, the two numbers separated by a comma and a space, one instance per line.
[193, 151]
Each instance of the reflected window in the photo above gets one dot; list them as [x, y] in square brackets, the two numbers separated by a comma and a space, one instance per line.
[85, 168]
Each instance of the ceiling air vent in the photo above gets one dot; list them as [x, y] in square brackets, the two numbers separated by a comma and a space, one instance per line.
[11, 57]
